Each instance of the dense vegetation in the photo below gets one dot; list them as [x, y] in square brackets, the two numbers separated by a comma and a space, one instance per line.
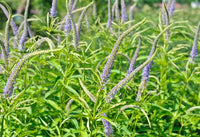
[86, 73]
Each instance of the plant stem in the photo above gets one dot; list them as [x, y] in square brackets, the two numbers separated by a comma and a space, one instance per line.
[2, 126]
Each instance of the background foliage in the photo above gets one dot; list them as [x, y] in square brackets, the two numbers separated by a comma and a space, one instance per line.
[51, 91]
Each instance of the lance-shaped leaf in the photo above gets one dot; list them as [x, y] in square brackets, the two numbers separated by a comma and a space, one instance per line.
[134, 106]
[11, 80]
[109, 63]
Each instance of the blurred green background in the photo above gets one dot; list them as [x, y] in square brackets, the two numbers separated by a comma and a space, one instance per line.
[41, 8]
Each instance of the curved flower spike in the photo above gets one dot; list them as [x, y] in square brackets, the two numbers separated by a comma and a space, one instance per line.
[8, 90]
[147, 68]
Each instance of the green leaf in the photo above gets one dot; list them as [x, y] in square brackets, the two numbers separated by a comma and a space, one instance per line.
[53, 104]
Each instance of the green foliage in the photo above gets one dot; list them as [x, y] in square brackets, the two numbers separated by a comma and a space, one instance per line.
[60, 94]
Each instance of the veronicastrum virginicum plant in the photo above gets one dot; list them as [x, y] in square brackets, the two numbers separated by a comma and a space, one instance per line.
[8, 90]
[64, 106]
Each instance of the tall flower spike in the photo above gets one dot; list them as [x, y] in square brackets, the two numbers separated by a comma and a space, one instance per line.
[109, 63]
[194, 51]
[75, 40]
[53, 10]
[3, 55]
[8, 90]
[87, 22]
[164, 16]
[12, 23]
[109, 23]
[124, 81]
[172, 7]
[117, 10]
[107, 127]
[68, 22]
[131, 15]
[95, 8]
[6, 42]
[147, 68]
[166, 19]
[132, 63]
[24, 35]
[123, 11]
[113, 11]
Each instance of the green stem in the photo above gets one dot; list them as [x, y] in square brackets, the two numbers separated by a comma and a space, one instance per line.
[2, 126]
